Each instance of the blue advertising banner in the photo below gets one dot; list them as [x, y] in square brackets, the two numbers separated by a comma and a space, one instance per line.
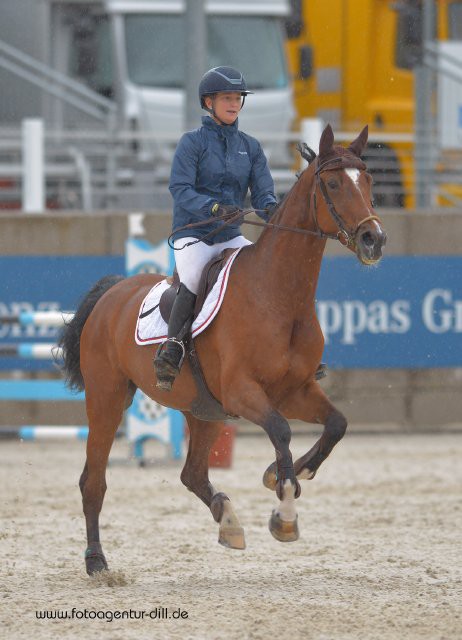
[405, 313]
[42, 283]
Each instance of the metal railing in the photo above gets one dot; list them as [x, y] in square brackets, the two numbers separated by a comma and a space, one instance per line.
[55, 83]
[77, 164]
[66, 164]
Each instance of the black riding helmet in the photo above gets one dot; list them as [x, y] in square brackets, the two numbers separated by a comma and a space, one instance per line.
[221, 80]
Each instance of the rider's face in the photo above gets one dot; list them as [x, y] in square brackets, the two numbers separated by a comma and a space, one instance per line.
[226, 106]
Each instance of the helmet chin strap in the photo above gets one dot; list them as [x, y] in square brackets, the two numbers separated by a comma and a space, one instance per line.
[213, 113]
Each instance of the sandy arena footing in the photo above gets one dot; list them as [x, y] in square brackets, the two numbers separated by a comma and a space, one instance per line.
[378, 557]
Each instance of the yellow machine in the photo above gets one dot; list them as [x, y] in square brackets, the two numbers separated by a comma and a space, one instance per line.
[353, 61]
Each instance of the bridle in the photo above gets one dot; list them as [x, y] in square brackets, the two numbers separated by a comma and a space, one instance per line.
[343, 235]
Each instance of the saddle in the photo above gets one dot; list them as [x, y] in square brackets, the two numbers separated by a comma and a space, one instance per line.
[209, 276]
[205, 406]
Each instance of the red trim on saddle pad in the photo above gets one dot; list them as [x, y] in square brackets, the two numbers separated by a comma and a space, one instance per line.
[153, 329]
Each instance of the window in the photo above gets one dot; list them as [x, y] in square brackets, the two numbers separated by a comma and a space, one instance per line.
[156, 49]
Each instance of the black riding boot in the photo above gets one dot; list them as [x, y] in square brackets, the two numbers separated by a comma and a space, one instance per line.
[170, 354]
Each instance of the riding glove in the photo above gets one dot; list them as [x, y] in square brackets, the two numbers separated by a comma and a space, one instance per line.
[227, 210]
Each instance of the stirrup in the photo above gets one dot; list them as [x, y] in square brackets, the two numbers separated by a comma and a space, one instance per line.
[166, 369]
[183, 350]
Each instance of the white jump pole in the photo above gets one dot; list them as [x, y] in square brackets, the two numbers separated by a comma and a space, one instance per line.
[33, 170]
[311, 129]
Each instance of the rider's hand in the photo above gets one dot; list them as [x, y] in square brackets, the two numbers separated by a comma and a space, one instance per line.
[227, 210]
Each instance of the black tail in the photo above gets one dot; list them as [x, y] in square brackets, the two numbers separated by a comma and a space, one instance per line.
[69, 339]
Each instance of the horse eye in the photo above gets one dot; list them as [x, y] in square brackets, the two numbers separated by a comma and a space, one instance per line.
[332, 184]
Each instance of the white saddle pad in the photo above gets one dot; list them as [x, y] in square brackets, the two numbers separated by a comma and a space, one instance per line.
[152, 329]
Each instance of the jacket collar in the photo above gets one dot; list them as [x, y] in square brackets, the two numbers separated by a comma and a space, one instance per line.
[225, 131]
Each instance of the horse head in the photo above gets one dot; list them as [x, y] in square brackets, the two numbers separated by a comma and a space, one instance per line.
[341, 196]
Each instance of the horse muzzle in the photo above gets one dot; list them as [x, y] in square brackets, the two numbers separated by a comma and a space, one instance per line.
[369, 241]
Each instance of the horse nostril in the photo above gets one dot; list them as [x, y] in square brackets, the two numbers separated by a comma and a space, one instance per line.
[367, 239]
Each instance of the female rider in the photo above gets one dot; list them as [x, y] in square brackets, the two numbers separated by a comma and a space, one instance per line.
[213, 168]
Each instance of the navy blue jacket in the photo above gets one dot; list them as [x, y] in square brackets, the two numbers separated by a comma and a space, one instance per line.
[217, 164]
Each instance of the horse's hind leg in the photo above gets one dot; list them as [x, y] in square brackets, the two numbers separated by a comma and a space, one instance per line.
[195, 476]
[310, 404]
[105, 408]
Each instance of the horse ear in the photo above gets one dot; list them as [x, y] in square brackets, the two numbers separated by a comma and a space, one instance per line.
[357, 146]
[327, 141]
[306, 152]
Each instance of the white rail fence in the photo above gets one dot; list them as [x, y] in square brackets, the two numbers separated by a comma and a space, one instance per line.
[88, 169]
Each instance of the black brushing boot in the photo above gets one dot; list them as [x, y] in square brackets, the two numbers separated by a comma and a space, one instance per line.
[170, 355]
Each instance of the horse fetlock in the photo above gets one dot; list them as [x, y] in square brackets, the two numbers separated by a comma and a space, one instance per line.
[271, 479]
[285, 471]
[281, 487]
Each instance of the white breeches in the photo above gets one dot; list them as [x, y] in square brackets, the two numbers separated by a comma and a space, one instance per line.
[190, 261]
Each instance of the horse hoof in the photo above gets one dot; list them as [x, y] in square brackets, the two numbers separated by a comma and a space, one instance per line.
[232, 537]
[95, 564]
[282, 530]
[94, 559]
[269, 478]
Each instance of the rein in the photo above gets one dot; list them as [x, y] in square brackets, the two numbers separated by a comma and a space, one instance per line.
[343, 235]
[227, 219]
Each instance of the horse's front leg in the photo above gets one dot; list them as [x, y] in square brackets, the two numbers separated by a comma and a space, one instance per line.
[195, 477]
[250, 402]
[310, 404]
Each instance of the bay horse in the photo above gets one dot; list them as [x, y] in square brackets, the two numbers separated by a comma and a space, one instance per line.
[259, 356]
